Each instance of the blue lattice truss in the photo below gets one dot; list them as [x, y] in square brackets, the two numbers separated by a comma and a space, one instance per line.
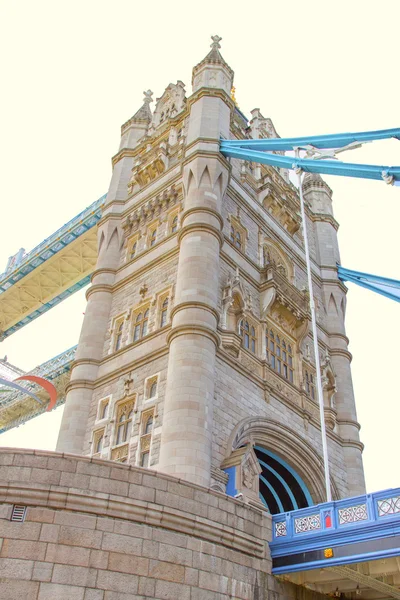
[61, 238]
[50, 370]
[262, 150]
[355, 530]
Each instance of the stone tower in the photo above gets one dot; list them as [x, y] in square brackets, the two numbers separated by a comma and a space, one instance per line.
[195, 353]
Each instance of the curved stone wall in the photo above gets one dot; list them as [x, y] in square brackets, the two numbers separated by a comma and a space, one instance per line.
[99, 530]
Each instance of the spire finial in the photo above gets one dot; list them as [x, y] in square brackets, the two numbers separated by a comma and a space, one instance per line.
[216, 42]
[148, 97]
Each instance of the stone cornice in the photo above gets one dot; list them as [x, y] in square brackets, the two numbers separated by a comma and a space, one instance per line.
[203, 209]
[212, 93]
[341, 336]
[353, 444]
[325, 218]
[78, 384]
[201, 227]
[98, 287]
[194, 304]
[349, 422]
[193, 330]
[102, 271]
[341, 352]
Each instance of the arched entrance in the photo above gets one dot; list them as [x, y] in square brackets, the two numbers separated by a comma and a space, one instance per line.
[281, 488]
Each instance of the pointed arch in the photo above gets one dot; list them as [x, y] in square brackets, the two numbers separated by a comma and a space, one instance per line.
[101, 241]
[284, 443]
[332, 306]
[205, 178]
[273, 255]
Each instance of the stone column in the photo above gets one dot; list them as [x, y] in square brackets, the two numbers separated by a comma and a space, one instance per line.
[319, 195]
[188, 408]
[91, 342]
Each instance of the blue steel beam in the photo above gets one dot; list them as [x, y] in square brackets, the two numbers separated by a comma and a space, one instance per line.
[325, 167]
[336, 140]
[355, 530]
[390, 288]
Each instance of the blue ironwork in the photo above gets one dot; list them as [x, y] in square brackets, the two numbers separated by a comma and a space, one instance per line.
[255, 151]
[291, 471]
[390, 288]
[68, 233]
[50, 370]
[353, 528]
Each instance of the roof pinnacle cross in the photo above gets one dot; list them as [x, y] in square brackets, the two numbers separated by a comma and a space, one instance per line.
[216, 42]
[148, 97]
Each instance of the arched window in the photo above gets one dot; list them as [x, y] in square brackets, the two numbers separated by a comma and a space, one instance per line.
[133, 250]
[310, 384]
[232, 235]
[279, 354]
[144, 459]
[153, 237]
[104, 409]
[248, 334]
[153, 389]
[140, 325]
[174, 224]
[149, 426]
[118, 336]
[238, 240]
[124, 424]
[164, 312]
[99, 444]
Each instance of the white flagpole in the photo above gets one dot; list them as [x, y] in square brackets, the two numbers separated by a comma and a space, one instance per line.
[298, 171]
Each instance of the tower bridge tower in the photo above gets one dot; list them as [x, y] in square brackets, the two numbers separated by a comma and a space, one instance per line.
[194, 357]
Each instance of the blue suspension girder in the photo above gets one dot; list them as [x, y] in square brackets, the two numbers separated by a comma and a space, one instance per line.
[336, 140]
[390, 288]
[255, 151]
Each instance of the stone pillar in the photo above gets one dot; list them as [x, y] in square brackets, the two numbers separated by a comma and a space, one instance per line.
[188, 407]
[319, 195]
[91, 342]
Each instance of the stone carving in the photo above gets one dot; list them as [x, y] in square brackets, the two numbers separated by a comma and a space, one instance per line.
[146, 212]
[235, 296]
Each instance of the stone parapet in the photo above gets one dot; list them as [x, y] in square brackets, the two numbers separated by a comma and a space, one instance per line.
[100, 530]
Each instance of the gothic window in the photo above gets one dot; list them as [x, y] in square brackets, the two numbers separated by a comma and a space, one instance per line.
[118, 335]
[124, 422]
[248, 335]
[309, 384]
[103, 409]
[144, 459]
[174, 224]
[140, 325]
[238, 233]
[145, 438]
[164, 313]
[279, 354]
[149, 426]
[98, 441]
[152, 237]
[132, 251]
[153, 389]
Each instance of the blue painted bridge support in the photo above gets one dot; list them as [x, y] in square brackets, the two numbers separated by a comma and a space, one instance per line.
[332, 534]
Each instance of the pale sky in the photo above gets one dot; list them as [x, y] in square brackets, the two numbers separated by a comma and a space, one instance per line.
[74, 71]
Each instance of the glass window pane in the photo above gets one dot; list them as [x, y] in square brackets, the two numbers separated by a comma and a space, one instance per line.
[284, 356]
[149, 425]
[144, 459]
[278, 341]
[139, 317]
[146, 314]
[285, 371]
[278, 351]
[279, 366]
[246, 326]
[291, 376]
[290, 361]
[253, 333]
[144, 331]
[253, 345]
[283, 344]
[246, 340]
[119, 433]
[136, 334]
[272, 346]
[272, 361]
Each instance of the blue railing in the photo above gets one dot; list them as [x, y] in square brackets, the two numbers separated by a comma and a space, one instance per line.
[353, 521]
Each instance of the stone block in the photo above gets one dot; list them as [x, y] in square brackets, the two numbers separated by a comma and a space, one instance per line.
[68, 555]
[5, 511]
[98, 559]
[170, 537]
[24, 549]
[55, 591]
[165, 570]
[132, 529]
[150, 549]
[108, 486]
[93, 594]
[50, 533]
[124, 563]
[16, 569]
[147, 587]
[20, 531]
[180, 556]
[122, 543]
[167, 590]
[71, 575]
[74, 519]
[12, 589]
[105, 524]
[39, 514]
[76, 536]
[117, 582]
[138, 492]
[42, 571]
